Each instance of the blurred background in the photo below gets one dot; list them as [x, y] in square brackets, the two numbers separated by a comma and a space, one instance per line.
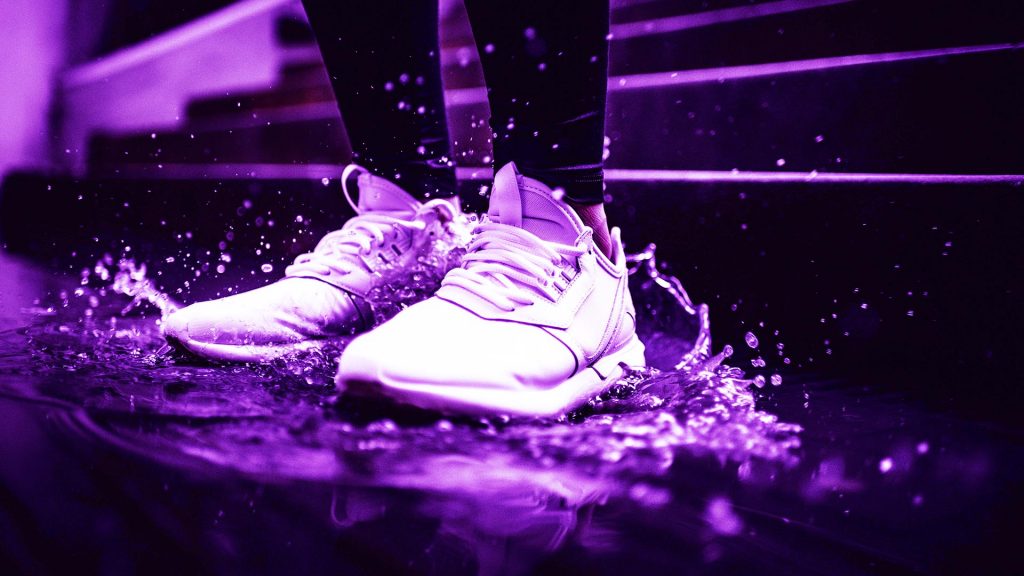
[851, 86]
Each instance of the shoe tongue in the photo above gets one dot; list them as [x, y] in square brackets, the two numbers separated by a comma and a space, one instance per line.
[377, 194]
[529, 204]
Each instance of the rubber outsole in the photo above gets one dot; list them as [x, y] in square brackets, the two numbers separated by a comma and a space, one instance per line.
[485, 401]
[255, 353]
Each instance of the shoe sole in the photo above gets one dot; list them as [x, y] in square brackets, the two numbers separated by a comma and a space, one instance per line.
[255, 353]
[524, 402]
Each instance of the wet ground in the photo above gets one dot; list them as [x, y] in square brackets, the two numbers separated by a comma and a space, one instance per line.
[119, 455]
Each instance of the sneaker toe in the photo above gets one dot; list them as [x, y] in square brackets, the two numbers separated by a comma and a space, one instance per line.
[285, 312]
[220, 322]
[462, 352]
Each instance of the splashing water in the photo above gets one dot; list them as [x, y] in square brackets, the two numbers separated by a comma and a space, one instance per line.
[128, 279]
[403, 286]
[285, 419]
[131, 280]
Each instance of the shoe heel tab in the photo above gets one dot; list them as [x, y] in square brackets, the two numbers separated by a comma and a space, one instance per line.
[373, 192]
[618, 251]
[352, 174]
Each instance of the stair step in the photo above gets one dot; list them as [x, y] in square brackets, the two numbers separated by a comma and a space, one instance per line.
[311, 141]
[910, 112]
[303, 74]
[806, 29]
[956, 114]
[639, 10]
[174, 226]
[922, 115]
[245, 103]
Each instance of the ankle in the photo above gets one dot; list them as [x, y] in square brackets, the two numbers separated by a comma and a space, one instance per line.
[593, 216]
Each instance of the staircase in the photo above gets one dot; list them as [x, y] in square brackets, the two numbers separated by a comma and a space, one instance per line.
[848, 173]
[789, 87]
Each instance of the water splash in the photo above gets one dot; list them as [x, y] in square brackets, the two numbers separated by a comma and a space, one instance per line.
[284, 419]
[130, 280]
[402, 286]
[677, 333]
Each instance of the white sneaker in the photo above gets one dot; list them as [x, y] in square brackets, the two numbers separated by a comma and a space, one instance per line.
[324, 293]
[535, 322]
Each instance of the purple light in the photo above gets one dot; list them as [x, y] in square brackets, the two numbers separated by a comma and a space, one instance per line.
[478, 95]
[660, 79]
[712, 17]
[226, 171]
[623, 175]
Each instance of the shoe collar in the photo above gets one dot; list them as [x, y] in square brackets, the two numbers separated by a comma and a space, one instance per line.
[375, 194]
[523, 202]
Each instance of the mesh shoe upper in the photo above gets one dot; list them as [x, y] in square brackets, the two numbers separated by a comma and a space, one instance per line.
[323, 293]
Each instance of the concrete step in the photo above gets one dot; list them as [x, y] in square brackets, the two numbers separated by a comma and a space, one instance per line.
[942, 114]
[942, 111]
[921, 112]
[779, 31]
[311, 141]
[249, 108]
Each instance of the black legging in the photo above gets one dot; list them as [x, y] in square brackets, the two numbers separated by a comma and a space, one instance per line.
[546, 66]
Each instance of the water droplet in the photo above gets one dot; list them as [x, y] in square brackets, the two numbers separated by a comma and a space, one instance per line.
[751, 339]
[759, 381]
[776, 380]
[267, 268]
[780, 162]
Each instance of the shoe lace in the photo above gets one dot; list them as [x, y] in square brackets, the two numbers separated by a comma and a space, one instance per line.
[363, 234]
[508, 266]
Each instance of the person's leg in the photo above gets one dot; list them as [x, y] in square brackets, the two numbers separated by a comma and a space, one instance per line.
[383, 60]
[546, 67]
[536, 320]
